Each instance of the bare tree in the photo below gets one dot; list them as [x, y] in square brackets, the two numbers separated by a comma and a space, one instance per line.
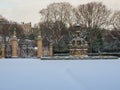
[93, 16]
[7, 28]
[115, 20]
[56, 17]
[63, 12]
[53, 32]
[112, 40]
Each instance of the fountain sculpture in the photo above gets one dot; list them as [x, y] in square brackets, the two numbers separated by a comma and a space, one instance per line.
[78, 46]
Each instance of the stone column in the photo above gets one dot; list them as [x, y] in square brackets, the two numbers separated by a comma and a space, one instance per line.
[39, 45]
[3, 51]
[70, 48]
[51, 50]
[14, 46]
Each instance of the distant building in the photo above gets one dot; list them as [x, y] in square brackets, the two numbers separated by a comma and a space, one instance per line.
[3, 20]
[27, 27]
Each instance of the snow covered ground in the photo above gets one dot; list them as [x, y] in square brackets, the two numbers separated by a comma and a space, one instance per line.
[36, 74]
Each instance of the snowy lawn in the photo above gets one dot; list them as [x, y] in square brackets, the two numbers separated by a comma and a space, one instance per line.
[36, 74]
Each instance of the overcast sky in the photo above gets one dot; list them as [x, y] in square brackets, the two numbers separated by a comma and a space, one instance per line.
[28, 10]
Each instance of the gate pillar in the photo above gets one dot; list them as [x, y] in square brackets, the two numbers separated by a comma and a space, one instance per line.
[14, 45]
[3, 51]
[39, 45]
[51, 50]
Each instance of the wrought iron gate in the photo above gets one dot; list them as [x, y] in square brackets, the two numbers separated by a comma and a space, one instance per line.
[8, 50]
[27, 48]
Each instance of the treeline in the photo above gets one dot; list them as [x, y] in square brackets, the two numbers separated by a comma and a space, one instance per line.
[100, 25]
[6, 30]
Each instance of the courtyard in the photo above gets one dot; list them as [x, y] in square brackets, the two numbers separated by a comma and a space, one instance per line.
[36, 74]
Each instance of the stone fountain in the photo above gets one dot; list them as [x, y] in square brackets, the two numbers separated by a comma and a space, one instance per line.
[78, 46]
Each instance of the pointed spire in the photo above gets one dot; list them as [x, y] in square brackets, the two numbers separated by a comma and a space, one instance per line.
[39, 34]
[14, 33]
